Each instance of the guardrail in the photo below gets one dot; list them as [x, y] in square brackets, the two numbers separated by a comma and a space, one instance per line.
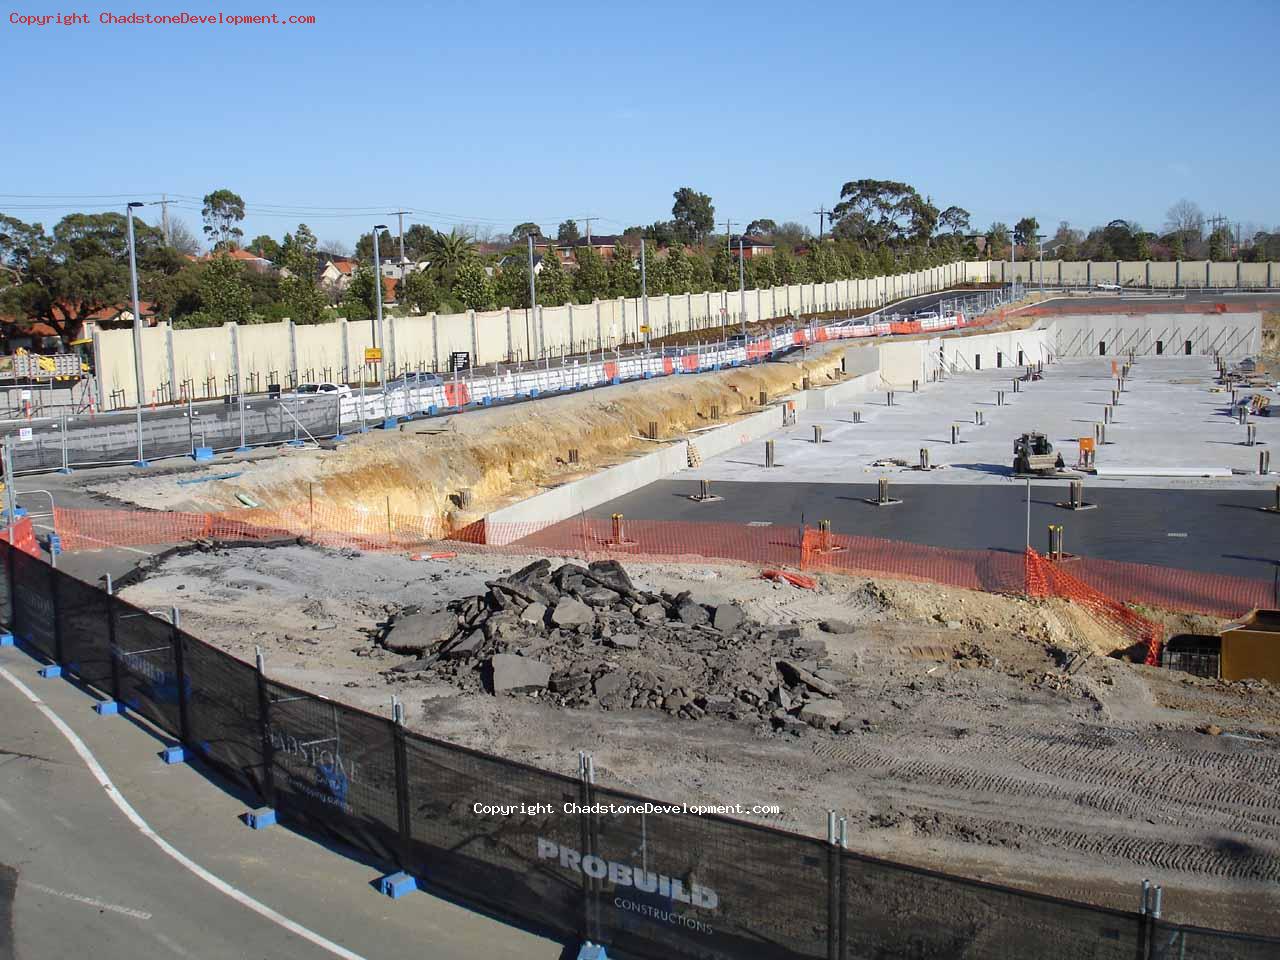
[573, 858]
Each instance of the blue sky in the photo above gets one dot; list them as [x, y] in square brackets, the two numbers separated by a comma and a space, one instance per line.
[499, 112]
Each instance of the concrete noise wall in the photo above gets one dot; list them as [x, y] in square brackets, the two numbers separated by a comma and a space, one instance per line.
[1156, 334]
[1185, 274]
[205, 363]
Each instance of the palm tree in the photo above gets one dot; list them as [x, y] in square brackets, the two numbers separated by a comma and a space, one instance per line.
[448, 251]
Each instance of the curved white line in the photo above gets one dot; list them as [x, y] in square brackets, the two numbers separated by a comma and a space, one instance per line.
[144, 828]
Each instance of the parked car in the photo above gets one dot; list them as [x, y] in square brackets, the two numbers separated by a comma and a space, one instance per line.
[414, 381]
[307, 391]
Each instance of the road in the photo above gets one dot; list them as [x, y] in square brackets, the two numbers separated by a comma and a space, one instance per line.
[1215, 531]
[80, 877]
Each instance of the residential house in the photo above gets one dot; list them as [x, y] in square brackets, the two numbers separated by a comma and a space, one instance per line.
[751, 247]
[337, 272]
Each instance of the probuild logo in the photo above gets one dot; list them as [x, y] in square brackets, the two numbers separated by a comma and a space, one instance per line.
[328, 777]
[653, 895]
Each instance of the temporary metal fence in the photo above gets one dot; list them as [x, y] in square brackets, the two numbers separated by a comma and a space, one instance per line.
[248, 421]
[574, 859]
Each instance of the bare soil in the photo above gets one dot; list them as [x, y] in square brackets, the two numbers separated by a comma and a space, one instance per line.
[974, 750]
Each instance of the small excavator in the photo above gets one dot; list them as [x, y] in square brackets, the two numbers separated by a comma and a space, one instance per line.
[1033, 453]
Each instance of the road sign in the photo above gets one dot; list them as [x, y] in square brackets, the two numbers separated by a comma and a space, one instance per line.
[372, 354]
[24, 433]
[644, 328]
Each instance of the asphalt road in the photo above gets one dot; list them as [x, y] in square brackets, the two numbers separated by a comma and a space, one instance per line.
[1216, 531]
[79, 878]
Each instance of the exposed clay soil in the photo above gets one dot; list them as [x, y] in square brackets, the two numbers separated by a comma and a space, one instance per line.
[973, 750]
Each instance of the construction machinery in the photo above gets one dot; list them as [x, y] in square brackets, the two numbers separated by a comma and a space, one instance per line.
[1033, 453]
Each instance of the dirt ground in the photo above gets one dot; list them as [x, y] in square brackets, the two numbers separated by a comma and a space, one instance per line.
[973, 752]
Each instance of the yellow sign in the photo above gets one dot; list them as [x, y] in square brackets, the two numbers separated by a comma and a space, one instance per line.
[644, 329]
[372, 354]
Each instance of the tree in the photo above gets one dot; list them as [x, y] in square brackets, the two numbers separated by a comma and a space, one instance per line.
[1219, 244]
[448, 252]
[511, 287]
[419, 291]
[1025, 232]
[61, 279]
[624, 278]
[181, 238]
[791, 234]
[299, 286]
[661, 233]
[693, 215]
[471, 286]
[1185, 219]
[954, 220]
[224, 295]
[656, 277]
[1065, 244]
[761, 228]
[358, 298]
[567, 232]
[998, 239]
[417, 241]
[265, 247]
[222, 211]
[591, 281]
[524, 230]
[679, 273]
[724, 268]
[883, 212]
[554, 288]
[387, 246]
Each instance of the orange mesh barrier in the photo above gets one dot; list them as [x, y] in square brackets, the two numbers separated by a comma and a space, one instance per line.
[24, 536]
[1104, 586]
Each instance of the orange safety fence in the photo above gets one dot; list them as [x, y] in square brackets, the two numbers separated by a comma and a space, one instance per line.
[1105, 585]
[23, 535]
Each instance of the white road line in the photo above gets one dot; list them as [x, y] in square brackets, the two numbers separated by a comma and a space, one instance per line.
[144, 828]
[88, 901]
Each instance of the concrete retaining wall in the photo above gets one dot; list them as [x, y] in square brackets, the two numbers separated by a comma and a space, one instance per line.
[1230, 334]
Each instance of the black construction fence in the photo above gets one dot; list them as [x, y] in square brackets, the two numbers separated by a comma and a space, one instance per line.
[574, 859]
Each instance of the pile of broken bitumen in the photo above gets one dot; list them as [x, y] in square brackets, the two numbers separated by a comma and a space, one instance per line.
[585, 636]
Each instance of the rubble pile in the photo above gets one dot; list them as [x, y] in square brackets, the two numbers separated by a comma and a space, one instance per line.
[583, 637]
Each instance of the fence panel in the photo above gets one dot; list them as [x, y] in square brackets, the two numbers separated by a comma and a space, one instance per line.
[895, 910]
[148, 675]
[223, 710]
[1171, 941]
[6, 598]
[34, 618]
[333, 769]
[690, 886]
[519, 865]
[82, 625]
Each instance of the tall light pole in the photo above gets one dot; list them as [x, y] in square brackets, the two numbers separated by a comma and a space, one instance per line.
[1040, 244]
[137, 329]
[742, 289]
[644, 293]
[377, 299]
[533, 302]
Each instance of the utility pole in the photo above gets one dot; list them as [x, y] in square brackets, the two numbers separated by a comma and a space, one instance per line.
[644, 293]
[139, 387]
[588, 220]
[821, 212]
[377, 300]
[742, 289]
[400, 214]
[164, 218]
[728, 234]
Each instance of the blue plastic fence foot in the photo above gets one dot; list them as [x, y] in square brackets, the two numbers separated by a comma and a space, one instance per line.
[534, 392]
[486, 402]
[339, 437]
[108, 708]
[260, 819]
[431, 410]
[51, 672]
[592, 951]
[396, 885]
[295, 443]
[202, 454]
[173, 755]
[242, 450]
[6, 639]
[141, 464]
[64, 471]
[389, 423]
[616, 380]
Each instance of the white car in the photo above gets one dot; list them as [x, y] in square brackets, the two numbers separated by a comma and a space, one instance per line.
[1107, 286]
[307, 391]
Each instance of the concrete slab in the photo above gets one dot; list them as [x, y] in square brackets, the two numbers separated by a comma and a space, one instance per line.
[1168, 421]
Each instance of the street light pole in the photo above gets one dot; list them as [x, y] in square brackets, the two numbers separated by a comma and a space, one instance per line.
[533, 302]
[382, 344]
[141, 460]
[644, 293]
[742, 289]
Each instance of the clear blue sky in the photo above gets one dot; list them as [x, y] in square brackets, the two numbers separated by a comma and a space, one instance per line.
[499, 112]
